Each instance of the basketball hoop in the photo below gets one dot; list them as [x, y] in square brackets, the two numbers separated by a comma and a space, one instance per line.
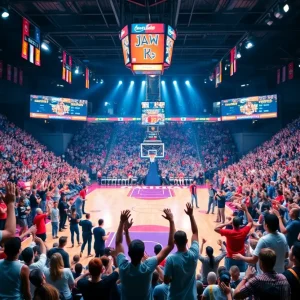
[152, 157]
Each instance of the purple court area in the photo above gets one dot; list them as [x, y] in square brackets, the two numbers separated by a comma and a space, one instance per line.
[150, 193]
[149, 238]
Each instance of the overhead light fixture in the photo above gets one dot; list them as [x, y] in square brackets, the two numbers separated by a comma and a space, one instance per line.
[205, 80]
[94, 79]
[225, 68]
[187, 82]
[101, 81]
[286, 8]
[269, 20]
[174, 82]
[77, 70]
[4, 13]
[278, 12]
[120, 82]
[144, 81]
[238, 55]
[249, 44]
[106, 103]
[162, 82]
[45, 45]
[131, 82]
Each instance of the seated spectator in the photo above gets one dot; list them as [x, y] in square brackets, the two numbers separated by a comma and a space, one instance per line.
[218, 291]
[77, 270]
[14, 275]
[293, 274]
[60, 277]
[210, 263]
[268, 285]
[136, 275]
[62, 242]
[181, 266]
[105, 288]
[211, 278]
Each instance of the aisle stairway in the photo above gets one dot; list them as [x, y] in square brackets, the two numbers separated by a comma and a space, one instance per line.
[152, 177]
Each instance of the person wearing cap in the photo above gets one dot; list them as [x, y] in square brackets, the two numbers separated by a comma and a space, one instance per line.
[181, 266]
[218, 291]
[136, 275]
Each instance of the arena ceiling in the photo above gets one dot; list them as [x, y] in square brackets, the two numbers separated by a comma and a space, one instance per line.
[207, 29]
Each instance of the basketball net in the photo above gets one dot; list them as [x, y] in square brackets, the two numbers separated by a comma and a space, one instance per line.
[152, 157]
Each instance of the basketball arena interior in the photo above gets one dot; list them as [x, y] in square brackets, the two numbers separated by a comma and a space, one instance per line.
[149, 149]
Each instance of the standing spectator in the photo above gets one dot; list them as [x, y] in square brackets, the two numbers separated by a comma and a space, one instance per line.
[13, 274]
[181, 266]
[63, 212]
[60, 277]
[209, 262]
[74, 219]
[78, 206]
[99, 238]
[293, 274]
[42, 191]
[292, 228]
[105, 286]
[220, 197]
[10, 224]
[3, 212]
[34, 203]
[39, 222]
[23, 212]
[86, 234]
[62, 242]
[82, 195]
[211, 198]
[269, 285]
[235, 239]
[157, 249]
[193, 190]
[54, 215]
[136, 276]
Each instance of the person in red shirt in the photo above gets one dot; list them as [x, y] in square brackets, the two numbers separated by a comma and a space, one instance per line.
[39, 222]
[280, 197]
[235, 239]
[82, 195]
[3, 212]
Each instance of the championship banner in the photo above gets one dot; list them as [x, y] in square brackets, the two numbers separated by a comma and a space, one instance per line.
[232, 61]
[15, 75]
[64, 61]
[70, 70]
[8, 72]
[21, 77]
[31, 43]
[66, 68]
[283, 73]
[218, 71]
[87, 78]
[291, 71]
[278, 76]
[1, 69]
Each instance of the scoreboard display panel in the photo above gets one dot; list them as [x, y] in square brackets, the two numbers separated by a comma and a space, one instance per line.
[153, 113]
[48, 107]
[257, 107]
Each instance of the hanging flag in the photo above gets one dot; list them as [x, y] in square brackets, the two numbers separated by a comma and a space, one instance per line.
[87, 78]
[8, 72]
[278, 76]
[70, 69]
[291, 70]
[283, 73]
[1, 69]
[67, 68]
[31, 42]
[232, 61]
[64, 61]
[218, 71]
[15, 75]
[20, 77]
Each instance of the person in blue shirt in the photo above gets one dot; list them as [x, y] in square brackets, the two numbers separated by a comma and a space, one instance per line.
[271, 190]
[136, 276]
[78, 205]
[160, 292]
[181, 266]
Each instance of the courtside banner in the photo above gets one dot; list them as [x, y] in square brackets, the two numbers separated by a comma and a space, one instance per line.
[15, 75]
[8, 72]
[291, 70]
[1, 69]
[87, 78]
[25, 33]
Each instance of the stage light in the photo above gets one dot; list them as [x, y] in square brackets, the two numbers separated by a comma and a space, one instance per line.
[105, 103]
[162, 82]
[94, 79]
[120, 82]
[144, 81]
[131, 82]
[4, 13]
[77, 70]
[205, 80]
[101, 81]
[249, 45]
[174, 82]
[225, 68]
[286, 8]
[45, 45]
[238, 55]
[187, 82]
[269, 20]
[278, 12]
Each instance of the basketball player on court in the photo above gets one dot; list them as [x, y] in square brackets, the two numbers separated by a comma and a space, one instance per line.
[193, 190]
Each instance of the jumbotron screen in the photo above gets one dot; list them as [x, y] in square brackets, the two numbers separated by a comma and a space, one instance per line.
[153, 113]
[48, 107]
[257, 107]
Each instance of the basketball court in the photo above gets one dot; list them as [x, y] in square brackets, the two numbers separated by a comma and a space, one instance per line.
[146, 205]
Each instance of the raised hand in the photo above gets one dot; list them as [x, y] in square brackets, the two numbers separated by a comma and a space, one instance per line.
[250, 272]
[243, 207]
[128, 224]
[203, 241]
[125, 215]
[219, 242]
[10, 194]
[189, 209]
[168, 214]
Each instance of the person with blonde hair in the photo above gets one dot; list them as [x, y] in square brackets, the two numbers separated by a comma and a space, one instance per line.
[60, 277]
[46, 292]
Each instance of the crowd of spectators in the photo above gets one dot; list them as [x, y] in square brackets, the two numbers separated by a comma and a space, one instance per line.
[216, 145]
[89, 147]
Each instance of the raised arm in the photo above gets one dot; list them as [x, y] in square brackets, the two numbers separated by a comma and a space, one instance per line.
[10, 225]
[202, 245]
[249, 217]
[219, 227]
[125, 214]
[127, 225]
[281, 225]
[166, 250]
[189, 212]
